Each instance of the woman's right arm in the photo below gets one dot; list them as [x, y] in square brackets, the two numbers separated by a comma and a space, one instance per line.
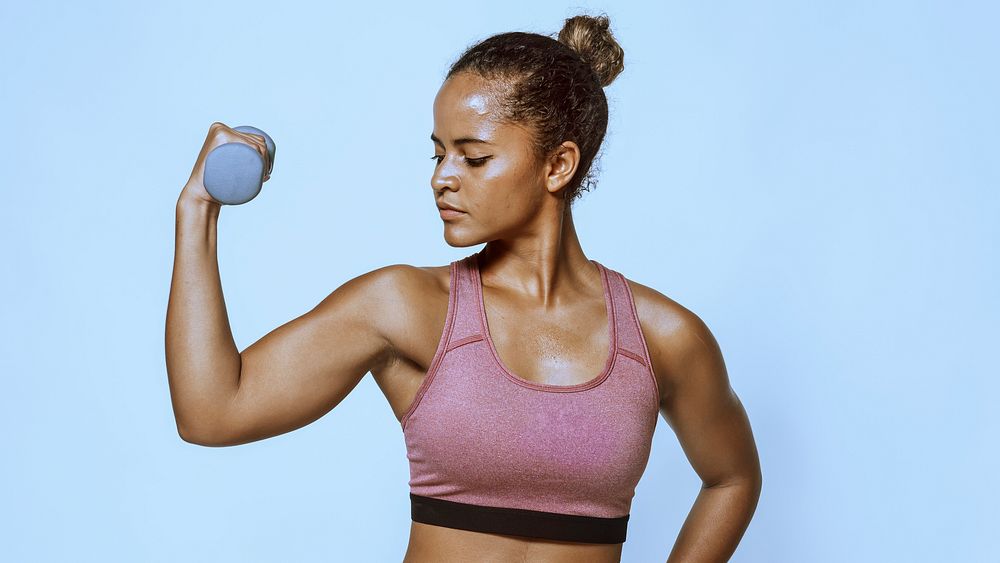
[288, 378]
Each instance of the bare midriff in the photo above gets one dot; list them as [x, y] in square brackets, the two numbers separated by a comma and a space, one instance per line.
[438, 544]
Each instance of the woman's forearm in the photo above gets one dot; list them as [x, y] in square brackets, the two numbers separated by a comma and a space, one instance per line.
[203, 362]
[719, 517]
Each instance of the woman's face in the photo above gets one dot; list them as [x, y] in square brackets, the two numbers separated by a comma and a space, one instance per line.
[484, 167]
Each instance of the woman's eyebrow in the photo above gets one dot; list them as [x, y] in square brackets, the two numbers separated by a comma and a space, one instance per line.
[461, 140]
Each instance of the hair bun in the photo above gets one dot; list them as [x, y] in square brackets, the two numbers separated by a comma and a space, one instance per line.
[591, 38]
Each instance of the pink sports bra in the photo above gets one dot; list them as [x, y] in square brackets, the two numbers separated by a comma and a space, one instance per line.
[492, 452]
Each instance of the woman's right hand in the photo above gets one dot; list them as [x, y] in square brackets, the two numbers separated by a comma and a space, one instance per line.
[219, 134]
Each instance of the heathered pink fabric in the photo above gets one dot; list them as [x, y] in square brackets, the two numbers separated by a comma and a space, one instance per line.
[477, 433]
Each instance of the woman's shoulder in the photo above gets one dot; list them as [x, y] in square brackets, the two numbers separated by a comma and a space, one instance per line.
[674, 334]
[398, 300]
[406, 281]
[661, 315]
[656, 308]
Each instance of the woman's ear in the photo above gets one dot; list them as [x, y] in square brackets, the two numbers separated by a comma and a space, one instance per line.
[562, 164]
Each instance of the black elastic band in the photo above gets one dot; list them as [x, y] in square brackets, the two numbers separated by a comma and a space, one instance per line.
[517, 521]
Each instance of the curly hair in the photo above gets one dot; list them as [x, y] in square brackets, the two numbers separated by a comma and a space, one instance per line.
[555, 85]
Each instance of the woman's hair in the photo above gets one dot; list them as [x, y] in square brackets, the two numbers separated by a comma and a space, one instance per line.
[554, 85]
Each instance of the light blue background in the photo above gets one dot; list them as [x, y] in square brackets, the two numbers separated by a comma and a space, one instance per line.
[817, 181]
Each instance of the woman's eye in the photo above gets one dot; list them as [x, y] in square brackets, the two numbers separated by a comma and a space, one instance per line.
[472, 161]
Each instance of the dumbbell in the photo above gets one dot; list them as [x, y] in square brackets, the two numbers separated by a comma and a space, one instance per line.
[234, 172]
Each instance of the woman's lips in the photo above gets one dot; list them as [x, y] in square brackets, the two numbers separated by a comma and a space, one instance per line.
[449, 213]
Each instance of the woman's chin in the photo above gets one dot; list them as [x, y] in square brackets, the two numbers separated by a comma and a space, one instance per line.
[457, 239]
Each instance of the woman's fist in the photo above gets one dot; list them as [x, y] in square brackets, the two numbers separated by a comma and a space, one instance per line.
[219, 134]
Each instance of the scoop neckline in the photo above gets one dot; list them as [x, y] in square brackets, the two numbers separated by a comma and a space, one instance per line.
[612, 337]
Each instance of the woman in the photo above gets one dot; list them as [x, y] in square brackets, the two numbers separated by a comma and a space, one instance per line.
[517, 450]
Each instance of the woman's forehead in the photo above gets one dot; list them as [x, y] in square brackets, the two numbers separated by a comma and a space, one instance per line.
[466, 95]
[466, 107]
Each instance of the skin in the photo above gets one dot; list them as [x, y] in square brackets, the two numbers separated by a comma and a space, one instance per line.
[545, 311]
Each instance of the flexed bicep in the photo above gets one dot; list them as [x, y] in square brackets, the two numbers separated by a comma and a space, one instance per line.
[302, 369]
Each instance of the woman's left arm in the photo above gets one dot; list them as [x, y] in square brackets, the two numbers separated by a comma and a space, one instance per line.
[712, 427]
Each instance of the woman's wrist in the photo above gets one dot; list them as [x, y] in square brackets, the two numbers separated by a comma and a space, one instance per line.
[192, 205]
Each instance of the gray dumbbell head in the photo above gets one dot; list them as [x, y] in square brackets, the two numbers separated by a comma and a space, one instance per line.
[233, 173]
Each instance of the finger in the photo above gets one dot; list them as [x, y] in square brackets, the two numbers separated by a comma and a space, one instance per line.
[258, 142]
[262, 148]
[267, 155]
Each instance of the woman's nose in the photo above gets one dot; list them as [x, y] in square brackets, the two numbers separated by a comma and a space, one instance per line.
[442, 180]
